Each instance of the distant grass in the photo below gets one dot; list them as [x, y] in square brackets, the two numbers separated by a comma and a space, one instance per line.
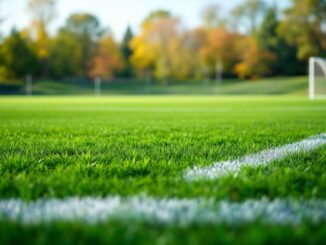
[268, 86]
[84, 146]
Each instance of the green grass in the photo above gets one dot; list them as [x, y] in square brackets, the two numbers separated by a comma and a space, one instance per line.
[267, 86]
[83, 146]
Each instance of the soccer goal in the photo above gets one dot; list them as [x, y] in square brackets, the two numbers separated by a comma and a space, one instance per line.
[317, 77]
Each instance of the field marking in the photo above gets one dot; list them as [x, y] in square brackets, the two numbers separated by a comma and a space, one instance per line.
[181, 212]
[262, 158]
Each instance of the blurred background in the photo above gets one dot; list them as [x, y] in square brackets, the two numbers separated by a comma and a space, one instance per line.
[159, 47]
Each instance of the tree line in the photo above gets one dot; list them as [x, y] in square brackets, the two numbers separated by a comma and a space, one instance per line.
[252, 40]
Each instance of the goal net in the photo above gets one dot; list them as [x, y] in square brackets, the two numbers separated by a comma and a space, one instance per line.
[317, 77]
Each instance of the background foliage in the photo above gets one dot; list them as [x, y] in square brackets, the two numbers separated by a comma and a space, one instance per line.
[253, 40]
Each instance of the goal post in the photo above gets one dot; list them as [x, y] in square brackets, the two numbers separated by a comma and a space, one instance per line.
[317, 77]
[97, 86]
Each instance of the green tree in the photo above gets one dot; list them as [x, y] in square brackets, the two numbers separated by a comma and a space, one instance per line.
[285, 62]
[248, 14]
[304, 26]
[66, 55]
[17, 57]
[126, 53]
[87, 30]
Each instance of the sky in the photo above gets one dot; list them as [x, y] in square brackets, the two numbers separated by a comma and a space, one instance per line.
[116, 14]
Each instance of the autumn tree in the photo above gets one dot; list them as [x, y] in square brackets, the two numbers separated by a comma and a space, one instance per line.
[43, 13]
[193, 42]
[144, 54]
[87, 30]
[221, 50]
[107, 60]
[304, 26]
[156, 15]
[254, 62]
[159, 46]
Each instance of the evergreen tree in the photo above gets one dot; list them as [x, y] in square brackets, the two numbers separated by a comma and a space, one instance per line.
[126, 52]
[286, 62]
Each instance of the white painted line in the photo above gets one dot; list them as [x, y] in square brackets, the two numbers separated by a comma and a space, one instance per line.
[262, 158]
[181, 212]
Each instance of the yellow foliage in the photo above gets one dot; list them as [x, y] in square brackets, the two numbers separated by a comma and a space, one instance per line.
[144, 54]
[43, 12]
[166, 49]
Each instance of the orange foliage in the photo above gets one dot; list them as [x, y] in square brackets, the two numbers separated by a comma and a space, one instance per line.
[254, 61]
[107, 60]
[221, 47]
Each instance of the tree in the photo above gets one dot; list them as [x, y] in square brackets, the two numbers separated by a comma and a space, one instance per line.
[107, 60]
[126, 53]
[13, 48]
[43, 12]
[221, 50]
[254, 62]
[211, 16]
[66, 55]
[304, 26]
[156, 15]
[193, 42]
[285, 62]
[158, 46]
[164, 36]
[87, 30]
[144, 54]
[248, 15]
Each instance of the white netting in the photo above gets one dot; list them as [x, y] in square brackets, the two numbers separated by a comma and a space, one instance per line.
[317, 77]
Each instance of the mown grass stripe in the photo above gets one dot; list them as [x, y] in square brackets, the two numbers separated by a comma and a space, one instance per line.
[163, 211]
[262, 158]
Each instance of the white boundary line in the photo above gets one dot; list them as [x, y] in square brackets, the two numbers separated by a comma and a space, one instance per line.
[180, 212]
[262, 158]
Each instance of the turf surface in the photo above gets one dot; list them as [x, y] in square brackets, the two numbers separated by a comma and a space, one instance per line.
[82, 146]
[265, 86]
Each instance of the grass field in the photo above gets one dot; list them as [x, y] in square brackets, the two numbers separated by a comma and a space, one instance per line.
[266, 86]
[61, 147]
